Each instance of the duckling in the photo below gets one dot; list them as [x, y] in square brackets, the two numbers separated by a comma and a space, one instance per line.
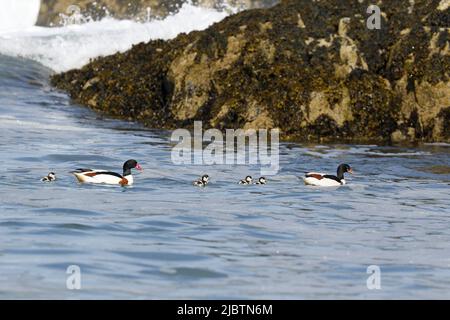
[261, 180]
[247, 180]
[49, 178]
[202, 182]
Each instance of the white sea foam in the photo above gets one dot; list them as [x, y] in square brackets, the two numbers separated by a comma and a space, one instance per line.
[438, 144]
[9, 122]
[72, 46]
[325, 152]
[380, 153]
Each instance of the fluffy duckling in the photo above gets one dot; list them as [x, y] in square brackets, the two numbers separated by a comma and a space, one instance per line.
[247, 180]
[49, 178]
[261, 180]
[202, 182]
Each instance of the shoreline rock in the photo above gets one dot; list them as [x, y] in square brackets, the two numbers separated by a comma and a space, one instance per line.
[311, 69]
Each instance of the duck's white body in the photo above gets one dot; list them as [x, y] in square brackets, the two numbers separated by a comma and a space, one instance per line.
[199, 183]
[322, 180]
[103, 177]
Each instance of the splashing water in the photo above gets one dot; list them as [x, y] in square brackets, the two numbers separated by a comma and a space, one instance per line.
[73, 45]
[18, 14]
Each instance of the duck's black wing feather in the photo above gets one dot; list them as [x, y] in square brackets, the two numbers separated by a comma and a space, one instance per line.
[110, 173]
[81, 170]
[329, 176]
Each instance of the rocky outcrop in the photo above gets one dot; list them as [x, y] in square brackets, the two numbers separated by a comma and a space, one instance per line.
[58, 12]
[311, 68]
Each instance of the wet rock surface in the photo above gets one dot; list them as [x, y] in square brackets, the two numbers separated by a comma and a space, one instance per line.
[311, 68]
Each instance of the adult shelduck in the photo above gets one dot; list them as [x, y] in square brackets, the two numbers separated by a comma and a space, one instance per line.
[108, 177]
[326, 180]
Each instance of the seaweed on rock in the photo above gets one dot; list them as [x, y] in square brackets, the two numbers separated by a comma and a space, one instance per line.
[310, 68]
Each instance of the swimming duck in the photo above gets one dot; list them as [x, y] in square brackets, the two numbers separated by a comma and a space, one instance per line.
[49, 178]
[261, 180]
[202, 182]
[107, 177]
[318, 179]
[247, 180]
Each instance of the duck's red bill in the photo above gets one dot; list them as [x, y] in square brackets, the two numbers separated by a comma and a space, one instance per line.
[138, 167]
